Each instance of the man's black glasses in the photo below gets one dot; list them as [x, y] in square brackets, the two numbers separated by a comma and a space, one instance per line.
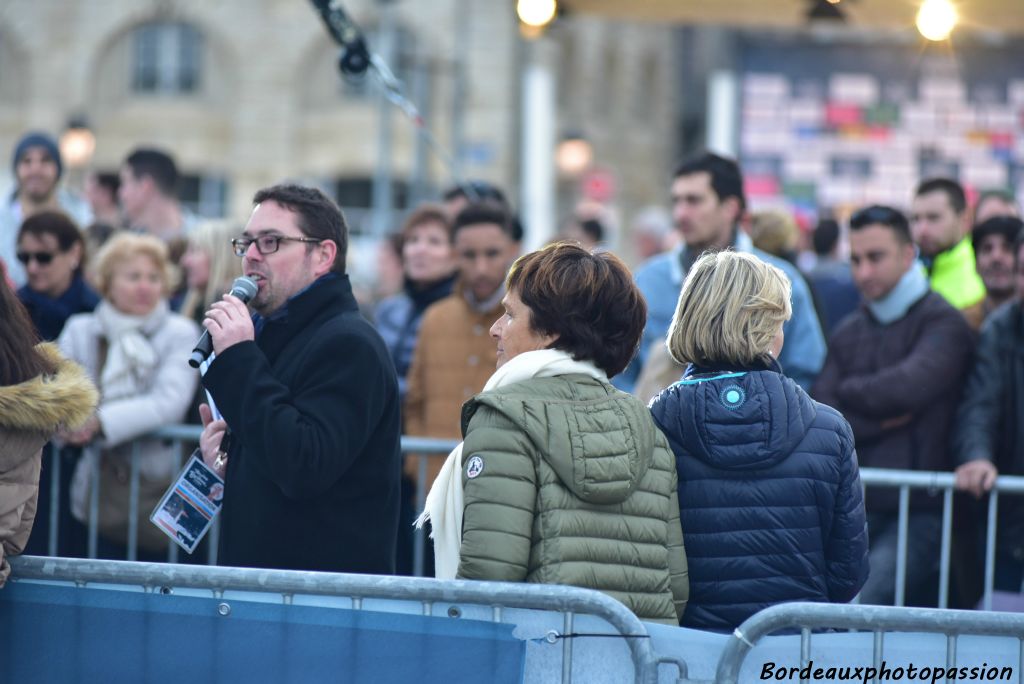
[265, 244]
[42, 258]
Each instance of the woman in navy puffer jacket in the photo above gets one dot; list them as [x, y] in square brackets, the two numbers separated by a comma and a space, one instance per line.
[769, 491]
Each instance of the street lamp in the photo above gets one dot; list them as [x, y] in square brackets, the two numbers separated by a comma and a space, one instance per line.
[536, 13]
[77, 143]
[936, 19]
[573, 155]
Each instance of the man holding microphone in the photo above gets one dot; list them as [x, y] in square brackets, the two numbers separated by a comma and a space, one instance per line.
[309, 441]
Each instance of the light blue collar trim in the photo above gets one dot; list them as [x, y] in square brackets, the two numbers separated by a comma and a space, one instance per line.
[696, 381]
[907, 292]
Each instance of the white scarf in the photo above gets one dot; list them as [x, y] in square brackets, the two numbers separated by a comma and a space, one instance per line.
[131, 359]
[444, 502]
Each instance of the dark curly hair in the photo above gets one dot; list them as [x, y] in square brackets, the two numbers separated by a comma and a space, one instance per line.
[588, 300]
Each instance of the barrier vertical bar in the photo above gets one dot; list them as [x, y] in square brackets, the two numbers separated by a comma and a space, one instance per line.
[950, 654]
[172, 547]
[94, 455]
[419, 539]
[54, 530]
[805, 651]
[990, 548]
[901, 545]
[133, 503]
[947, 542]
[876, 652]
[567, 627]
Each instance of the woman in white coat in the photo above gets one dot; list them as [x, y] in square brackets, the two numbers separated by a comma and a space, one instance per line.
[136, 350]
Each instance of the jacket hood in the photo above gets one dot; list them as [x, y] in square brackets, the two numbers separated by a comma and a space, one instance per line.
[598, 440]
[65, 399]
[735, 420]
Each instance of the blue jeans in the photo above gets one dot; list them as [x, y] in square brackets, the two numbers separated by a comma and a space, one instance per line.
[924, 538]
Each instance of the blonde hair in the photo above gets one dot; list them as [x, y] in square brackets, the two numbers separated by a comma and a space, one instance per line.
[774, 232]
[214, 239]
[731, 307]
[125, 246]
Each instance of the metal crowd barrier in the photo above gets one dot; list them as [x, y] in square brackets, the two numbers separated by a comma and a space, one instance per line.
[186, 437]
[905, 481]
[422, 448]
[491, 601]
[878, 620]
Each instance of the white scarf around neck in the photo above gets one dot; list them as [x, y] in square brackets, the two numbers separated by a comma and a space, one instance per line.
[445, 501]
[131, 358]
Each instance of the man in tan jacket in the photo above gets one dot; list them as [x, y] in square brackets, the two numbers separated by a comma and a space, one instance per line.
[455, 355]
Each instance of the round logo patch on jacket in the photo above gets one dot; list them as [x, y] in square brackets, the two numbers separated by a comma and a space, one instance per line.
[732, 397]
[474, 467]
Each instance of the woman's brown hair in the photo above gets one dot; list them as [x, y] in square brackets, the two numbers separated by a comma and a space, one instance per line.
[588, 300]
[19, 358]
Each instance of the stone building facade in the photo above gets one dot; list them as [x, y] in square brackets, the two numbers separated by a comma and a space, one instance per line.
[247, 92]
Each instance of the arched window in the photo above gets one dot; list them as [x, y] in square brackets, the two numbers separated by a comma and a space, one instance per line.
[167, 58]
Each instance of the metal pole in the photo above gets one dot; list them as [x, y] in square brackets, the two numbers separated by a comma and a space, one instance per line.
[421, 96]
[947, 542]
[990, 548]
[901, 545]
[55, 500]
[458, 120]
[94, 455]
[723, 112]
[133, 503]
[538, 168]
[383, 195]
[420, 536]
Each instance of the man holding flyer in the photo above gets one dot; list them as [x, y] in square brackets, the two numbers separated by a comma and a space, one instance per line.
[308, 445]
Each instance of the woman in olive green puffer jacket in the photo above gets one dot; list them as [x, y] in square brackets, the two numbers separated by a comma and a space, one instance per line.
[563, 479]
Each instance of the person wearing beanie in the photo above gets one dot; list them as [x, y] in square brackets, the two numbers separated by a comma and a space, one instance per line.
[37, 167]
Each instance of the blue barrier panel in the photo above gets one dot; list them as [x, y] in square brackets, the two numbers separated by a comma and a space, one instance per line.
[52, 633]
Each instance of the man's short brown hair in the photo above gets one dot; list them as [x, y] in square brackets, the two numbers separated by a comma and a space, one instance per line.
[317, 216]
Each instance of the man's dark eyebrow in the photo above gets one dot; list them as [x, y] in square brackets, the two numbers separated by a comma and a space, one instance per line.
[261, 233]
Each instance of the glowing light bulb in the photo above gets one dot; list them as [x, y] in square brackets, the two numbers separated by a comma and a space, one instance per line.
[536, 13]
[936, 19]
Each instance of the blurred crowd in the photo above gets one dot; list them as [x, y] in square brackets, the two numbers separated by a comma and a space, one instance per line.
[907, 320]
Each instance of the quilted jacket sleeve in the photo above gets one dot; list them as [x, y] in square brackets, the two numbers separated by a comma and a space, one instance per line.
[499, 499]
[679, 574]
[847, 546]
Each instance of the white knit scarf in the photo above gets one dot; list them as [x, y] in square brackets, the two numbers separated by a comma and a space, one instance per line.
[131, 358]
[444, 502]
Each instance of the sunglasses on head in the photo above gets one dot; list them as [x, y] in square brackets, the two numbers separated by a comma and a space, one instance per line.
[42, 258]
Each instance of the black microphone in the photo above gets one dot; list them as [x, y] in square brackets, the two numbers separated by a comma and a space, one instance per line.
[245, 288]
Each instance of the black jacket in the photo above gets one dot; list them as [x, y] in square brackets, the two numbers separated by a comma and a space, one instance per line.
[769, 494]
[990, 421]
[313, 469]
[910, 371]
